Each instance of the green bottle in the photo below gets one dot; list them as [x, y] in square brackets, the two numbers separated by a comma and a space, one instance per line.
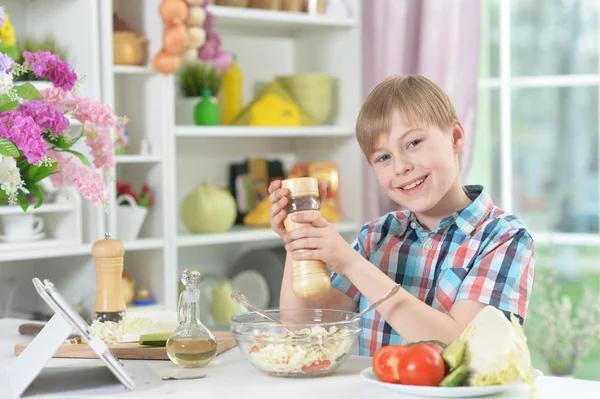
[206, 113]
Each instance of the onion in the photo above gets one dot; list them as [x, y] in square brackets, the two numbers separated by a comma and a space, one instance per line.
[197, 16]
[176, 39]
[165, 63]
[173, 11]
[190, 55]
[197, 36]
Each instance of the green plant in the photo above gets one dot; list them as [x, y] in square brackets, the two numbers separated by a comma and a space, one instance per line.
[32, 45]
[562, 330]
[194, 77]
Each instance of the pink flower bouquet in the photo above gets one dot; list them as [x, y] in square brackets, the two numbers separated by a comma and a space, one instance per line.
[34, 132]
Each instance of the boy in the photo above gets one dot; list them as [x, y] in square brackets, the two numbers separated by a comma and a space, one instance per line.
[452, 250]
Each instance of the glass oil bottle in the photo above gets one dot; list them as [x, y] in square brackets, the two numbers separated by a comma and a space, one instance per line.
[191, 344]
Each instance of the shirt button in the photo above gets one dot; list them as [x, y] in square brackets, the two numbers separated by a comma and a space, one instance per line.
[428, 245]
[413, 225]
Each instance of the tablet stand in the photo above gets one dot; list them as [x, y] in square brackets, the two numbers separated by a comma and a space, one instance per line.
[25, 375]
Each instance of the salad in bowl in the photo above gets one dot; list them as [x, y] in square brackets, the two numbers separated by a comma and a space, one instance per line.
[308, 343]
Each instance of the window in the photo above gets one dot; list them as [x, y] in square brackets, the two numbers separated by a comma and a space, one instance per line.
[537, 140]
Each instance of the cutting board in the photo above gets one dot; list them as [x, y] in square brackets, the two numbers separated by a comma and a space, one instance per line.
[129, 350]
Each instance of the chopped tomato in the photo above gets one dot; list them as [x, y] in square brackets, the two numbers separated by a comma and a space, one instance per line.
[421, 365]
[254, 349]
[385, 362]
[316, 366]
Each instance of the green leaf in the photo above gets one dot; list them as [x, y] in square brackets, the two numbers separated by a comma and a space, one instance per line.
[9, 106]
[43, 172]
[34, 189]
[28, 91]
[8, 148]
[81, 157]
[61, 142]
[22, 201]
[29, 172]
[4, 98]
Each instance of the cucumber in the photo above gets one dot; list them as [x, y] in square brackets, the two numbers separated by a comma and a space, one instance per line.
[454, 353]
[456, 378]
[156, 339]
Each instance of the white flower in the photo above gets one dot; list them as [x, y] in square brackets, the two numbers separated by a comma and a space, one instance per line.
[10, 178]
[6, 83]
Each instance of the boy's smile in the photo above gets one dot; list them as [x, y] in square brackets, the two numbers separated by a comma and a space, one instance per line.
[418, 169]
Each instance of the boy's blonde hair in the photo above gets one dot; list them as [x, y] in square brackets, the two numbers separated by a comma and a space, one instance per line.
[419, 102]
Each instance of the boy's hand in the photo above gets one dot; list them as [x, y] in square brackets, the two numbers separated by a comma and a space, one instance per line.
[279, 198]
[321, 241]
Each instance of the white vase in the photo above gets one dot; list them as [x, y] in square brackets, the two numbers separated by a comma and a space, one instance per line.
[184, 110]
[130, 218]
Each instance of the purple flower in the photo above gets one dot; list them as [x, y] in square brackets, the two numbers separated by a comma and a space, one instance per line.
[6, 64]
[25, 134]
[1, 16]
[45, 115]
[44, 64]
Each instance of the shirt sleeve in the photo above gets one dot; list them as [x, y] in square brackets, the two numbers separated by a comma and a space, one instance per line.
[341, 282]
[502, 275]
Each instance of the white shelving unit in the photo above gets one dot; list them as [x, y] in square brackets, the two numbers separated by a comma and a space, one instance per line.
[266, 44]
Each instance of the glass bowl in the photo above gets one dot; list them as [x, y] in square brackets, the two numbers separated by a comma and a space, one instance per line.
[311, 343]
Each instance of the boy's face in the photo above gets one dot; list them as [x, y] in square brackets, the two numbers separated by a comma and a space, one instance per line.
[417, 166]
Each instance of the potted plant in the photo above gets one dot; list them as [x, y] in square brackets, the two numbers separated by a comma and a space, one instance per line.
[563, 332]
[36, 141]
[132, 210]
[193, 79]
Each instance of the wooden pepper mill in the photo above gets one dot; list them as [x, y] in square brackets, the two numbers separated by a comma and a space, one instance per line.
[310, 279]
[108, 257]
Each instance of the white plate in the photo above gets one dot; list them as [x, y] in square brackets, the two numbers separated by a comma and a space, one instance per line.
[254, 286]
[441, 392]
[32, 238]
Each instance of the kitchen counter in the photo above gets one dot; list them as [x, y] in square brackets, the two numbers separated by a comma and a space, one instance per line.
[231, 376]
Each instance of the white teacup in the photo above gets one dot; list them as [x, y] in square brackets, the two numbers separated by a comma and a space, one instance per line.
[22, 226]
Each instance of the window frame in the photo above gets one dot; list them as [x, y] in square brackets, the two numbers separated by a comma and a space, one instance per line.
[505, 83]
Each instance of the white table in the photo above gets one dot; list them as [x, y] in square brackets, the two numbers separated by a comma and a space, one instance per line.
[231, 376]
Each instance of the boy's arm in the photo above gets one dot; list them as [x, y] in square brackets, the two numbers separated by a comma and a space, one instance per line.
[416, 321]
[334, 299]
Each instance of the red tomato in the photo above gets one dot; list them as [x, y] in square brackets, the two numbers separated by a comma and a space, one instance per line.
[316, 366]
[254, 349]
[436, 347]
[386, 361]
[421, 365]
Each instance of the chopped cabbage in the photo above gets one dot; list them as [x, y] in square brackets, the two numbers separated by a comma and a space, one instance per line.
[497, 352]
[128, 330]
[299, 353]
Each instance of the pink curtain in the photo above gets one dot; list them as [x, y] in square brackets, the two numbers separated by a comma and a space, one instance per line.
[438, 39]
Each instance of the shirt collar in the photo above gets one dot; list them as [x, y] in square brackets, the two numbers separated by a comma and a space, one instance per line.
[466, 219]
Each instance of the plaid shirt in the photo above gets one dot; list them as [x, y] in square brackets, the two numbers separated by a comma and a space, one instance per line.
[480, 253]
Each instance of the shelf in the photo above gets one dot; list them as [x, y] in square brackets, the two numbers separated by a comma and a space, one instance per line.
[240, 234]
[132, 70]
[60, 248]
[267, 131]
[289, 21]
[135, 158]
[144, 243]
[43, 249]
[137, 308]
[45, 208]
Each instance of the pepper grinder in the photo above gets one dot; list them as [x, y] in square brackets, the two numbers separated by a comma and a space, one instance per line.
[310, 280]
[108, 257]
